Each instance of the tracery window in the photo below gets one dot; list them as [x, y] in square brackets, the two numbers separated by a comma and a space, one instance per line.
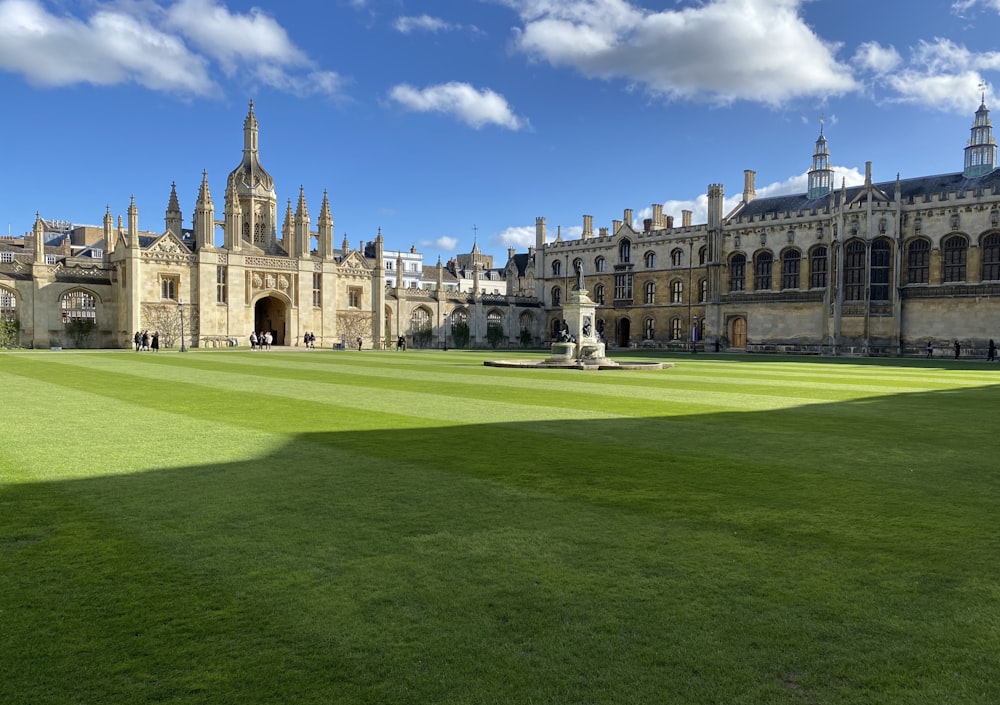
[737, 272]
[918, 262]
[790, 265]
[623, 286]
[880, 270]
[956, 251]
[817, 268]
[169, 284]
[854, 271]
[8, 304]
[78, 305]
[762, 271]
[991, 257]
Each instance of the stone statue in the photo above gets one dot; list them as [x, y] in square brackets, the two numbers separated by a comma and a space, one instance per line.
[579, 275]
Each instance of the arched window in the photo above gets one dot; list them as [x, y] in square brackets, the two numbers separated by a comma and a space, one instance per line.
[648, 327]
[459, 318]
[556, 296]
[790, 262]
[702, 290]
[677, 292]
[625, 251]
[702, 254]
[817, 268]
[737, 272]
[599, 294]
[650, 259]
[494, 320]
[762, 271]
[854, 271]
[676, 332]
[600, 264]
[991, 257]
[676, 257]
[880, 270]
[78, 305]
[420, 321]
[526, 322]
[650, 292]
[955, 254]
[918, 262]
[8, 304]
[557, 268]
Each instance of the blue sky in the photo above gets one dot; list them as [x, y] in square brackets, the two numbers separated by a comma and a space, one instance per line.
[441, 122]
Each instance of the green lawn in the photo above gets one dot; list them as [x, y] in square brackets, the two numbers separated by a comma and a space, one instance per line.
[339, 527]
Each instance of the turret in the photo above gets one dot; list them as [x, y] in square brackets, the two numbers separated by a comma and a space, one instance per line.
[539, 233]
[234, 220]
[204, 217]
[110, 239]
[749, 188]
[324, 235]
[820, 175]
[981, 152]
[133, 223]
[301, 226]
[173, 218]
[38, 234]
[288, 231]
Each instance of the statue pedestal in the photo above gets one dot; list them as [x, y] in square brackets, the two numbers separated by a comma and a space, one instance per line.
[581, 323]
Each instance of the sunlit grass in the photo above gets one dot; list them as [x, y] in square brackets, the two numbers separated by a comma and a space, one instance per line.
[228, 527]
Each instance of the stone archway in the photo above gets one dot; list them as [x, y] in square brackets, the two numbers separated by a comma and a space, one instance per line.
[271, 314]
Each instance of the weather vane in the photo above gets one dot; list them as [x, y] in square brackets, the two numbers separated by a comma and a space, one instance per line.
[982, 90]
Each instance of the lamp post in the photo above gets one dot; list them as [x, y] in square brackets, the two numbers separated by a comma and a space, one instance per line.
[180, 311]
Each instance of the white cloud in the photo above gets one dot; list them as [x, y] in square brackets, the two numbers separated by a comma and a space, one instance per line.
[108, 48]
[720, 50]
[473, 107]
[425, 23]
[521, 237]
[940, 75]
[162, 47]
[446, 243]
[960, 7]
[873, 57]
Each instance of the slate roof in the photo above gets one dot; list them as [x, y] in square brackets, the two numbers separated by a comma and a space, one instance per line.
[911, 191]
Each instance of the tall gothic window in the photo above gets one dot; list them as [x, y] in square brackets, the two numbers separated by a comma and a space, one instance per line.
[918, 262]
[557, 268]
[623, 286]
[702, 290]
[599, 294]
[817, 268]
[955, 254]
[556, 296]
[650, 259]
[625, 252]
[650, 292]
[677, 257]
[600, 264]
[790, 262]
[737, 272]
[648, 329]
[676, 332]
[762, 271]
[677, 292]
[991, 257]
[854, 271]
[880, 270]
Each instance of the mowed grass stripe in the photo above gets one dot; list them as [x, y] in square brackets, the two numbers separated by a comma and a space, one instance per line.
[447, 402]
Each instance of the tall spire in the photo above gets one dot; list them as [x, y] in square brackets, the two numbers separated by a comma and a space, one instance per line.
[204, 216]
[820, 175]
[173, 217]
[981, 152]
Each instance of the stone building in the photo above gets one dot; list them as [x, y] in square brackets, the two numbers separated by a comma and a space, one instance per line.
[880, 268]
[95, 286]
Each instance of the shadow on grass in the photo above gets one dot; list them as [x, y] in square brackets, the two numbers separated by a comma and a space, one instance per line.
[830, 553]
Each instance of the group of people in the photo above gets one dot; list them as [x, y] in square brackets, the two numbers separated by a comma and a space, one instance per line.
[991, 350]
[309, 340]
[261, 341]
[144, 341]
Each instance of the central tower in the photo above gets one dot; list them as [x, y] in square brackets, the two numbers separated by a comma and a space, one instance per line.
[253, 189]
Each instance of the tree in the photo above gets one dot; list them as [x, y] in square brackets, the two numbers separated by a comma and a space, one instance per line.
[460, 334]
[353, 325]
[79, 330]
[166, 319]
[9, 332]
[494, 335]
[526, 338]
[420, 336]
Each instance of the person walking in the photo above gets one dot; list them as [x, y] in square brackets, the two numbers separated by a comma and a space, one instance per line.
[155, 341]
[359, 343]
[930, 350]
[991, 352]
[137, 339]
[253, 340]
[958, 349]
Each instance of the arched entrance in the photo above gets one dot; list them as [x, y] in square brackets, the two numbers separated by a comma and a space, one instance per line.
[738, 338]
[271, 314]
[624, 332]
